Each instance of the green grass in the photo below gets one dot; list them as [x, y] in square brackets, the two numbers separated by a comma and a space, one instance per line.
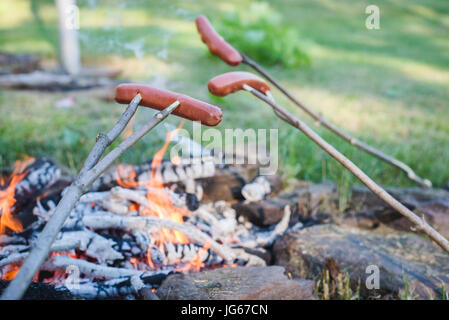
[388, 87]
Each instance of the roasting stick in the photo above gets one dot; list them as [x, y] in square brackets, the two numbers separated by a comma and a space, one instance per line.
[227, 83]
[93, 167]
[220, 48]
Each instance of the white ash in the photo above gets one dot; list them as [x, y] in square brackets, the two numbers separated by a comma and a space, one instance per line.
[137, 283]
[256, 190]
[279, 229]
[93, 245]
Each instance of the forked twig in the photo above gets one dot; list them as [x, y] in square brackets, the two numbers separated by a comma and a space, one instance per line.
[91, 170]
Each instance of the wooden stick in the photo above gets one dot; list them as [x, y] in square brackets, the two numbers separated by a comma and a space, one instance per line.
[332, 127]
[80, 186]
[348, 164]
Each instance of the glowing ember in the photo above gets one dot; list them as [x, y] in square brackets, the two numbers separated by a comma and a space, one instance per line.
[197, 263]
[11, 271]
[7, 200]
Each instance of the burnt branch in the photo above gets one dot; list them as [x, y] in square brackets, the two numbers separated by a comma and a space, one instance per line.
[88, 268]
[56, 247]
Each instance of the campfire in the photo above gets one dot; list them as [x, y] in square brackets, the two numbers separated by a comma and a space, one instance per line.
[135, 226]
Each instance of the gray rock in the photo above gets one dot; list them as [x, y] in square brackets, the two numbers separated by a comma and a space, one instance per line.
[306, 202]
[306, 253]
[239, 283]
[412, 196]
[368, 211]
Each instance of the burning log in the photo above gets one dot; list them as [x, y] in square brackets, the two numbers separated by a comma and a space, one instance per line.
[92, 244]
[152, 224]
[40, 175]
[194, 168]
[5, 251]
[30, 180]
[88, 268]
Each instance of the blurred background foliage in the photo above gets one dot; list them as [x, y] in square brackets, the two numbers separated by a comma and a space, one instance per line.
[260, 33]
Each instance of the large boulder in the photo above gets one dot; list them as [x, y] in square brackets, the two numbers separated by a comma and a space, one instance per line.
[408, 265]
[240, 283]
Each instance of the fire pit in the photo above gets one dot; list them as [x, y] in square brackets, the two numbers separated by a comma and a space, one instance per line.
[175, 230]
[137, 224]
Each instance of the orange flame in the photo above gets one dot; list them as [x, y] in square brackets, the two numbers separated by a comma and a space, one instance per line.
[7, 199]
[162, 206]
[126, 177]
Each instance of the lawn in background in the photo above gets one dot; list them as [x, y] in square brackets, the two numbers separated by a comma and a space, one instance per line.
[388, 87]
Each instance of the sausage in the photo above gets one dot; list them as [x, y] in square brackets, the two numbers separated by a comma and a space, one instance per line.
[216, 44]
[231, 82]
[160, 99]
